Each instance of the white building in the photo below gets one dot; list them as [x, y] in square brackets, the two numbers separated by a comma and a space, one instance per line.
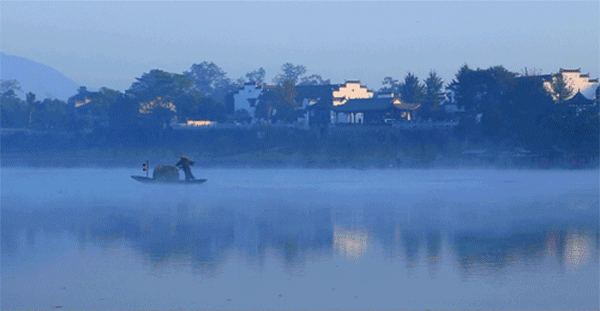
[247, 98]
[580, 83]
[449, 102]
[350, 90]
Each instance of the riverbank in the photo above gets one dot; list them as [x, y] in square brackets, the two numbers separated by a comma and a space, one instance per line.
[280, 148]
[111, 158]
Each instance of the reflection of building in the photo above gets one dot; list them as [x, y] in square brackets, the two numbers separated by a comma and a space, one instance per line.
[351, 242]
[350, 237]
[578, 250]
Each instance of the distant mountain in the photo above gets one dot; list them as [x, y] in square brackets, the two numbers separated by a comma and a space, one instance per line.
[42, 80]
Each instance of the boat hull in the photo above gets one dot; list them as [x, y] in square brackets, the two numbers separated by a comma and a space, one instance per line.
[147, 180]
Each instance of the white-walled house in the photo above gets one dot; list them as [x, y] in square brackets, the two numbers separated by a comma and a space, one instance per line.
[247, 98]
[350, 90]
[449, 102]
[580, 83]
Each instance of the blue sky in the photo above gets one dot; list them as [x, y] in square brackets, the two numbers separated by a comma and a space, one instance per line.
[110, 43]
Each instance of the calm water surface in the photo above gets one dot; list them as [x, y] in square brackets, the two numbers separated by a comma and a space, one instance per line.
[300, 239]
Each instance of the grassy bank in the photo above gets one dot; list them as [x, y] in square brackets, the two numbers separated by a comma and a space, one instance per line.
[257, 147]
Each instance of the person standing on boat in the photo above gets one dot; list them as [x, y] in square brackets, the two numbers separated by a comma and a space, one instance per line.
[184, 164]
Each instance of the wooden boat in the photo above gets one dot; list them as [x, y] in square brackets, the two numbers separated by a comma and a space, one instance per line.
[148, 180]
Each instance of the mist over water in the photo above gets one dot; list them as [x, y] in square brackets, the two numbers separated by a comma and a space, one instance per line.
[301, 239]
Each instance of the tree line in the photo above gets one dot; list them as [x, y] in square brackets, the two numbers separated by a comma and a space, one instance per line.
[501, 106]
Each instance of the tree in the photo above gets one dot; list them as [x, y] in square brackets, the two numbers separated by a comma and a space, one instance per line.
[256, 76]
[479, 90]
[278, 104]
[49, 114]
[465, 87]
[100, 103]
[526, 72]
[158, 88]
[288, 90]
[242, 115]
[561, 90]
[433, 91]
[210, 80]
[290, 72]
[314, 80]
[390, 85]
[124, 114]
[194, 106]
[107, 98]
[486, 93]
[158, 83]
[412, 90]
[13, 110]
[30, 98]
[494, 87]
[525, 110]
[162, 116]
[7, 85]
[268, 101]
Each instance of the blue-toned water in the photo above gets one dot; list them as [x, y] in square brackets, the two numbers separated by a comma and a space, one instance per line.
[300, 239]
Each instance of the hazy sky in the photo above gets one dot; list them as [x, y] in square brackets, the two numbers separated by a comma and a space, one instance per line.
[110, 43]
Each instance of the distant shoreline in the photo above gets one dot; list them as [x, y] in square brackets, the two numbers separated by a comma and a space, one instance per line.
[66, 159]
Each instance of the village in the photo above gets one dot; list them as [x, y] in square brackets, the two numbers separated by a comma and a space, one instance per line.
[533, 120]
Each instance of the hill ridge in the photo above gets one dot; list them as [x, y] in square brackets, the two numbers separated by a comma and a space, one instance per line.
[40, 79]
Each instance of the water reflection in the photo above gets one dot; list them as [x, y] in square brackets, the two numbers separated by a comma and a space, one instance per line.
[295, 233]
[578, 250]
[479, 252]
[206, 236]
[349, 232]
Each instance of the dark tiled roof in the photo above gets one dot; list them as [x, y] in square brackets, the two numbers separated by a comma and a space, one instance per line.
[543, 77]
[243, 87]
[324, 92]
[322, 104]
[594, 80]
[407, 106]
[579, 100]
[367, 104]
[570, 70]
[269, 87]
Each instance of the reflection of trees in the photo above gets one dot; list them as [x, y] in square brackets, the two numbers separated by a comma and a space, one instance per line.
[411, 241]
[402, 232]
[293, 231]
[161, 233]
[434, 244]
[161, 237]
[10, 231]
[492, 251]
